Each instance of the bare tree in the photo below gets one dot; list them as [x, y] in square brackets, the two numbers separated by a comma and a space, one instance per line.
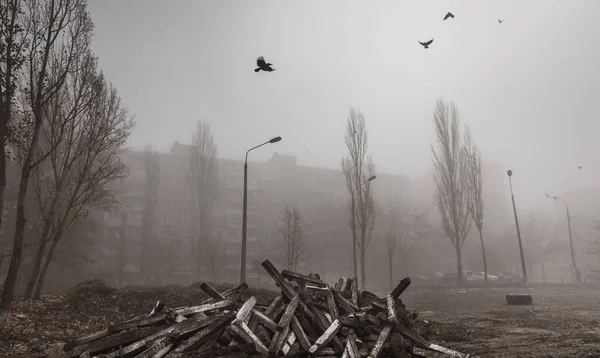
[12, 57]
[58, 33]
[204, 184]
[450, 173]
[475, 178]
[152, 177]
[85, 161]
[357, 168]
[63, 116]
[293, 245]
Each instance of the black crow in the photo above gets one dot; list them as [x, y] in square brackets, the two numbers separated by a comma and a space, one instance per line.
[263, 65]
[500, 21]
[449, 14]
[579, 166]
[426, 44]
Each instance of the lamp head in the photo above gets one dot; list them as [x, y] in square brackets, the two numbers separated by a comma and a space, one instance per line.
[275, 140]
[372, 178]
[509, 173]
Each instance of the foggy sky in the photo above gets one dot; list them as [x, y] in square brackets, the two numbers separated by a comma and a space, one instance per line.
[528, 88]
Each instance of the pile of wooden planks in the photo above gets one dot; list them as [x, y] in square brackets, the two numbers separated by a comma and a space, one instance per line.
[309, 319]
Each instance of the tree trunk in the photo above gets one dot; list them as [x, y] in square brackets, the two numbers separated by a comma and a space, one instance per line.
[42, 276]
[17, 251]
[485, 270]
[35, 270]
[459, 275]
[363, 269]
[2, 175]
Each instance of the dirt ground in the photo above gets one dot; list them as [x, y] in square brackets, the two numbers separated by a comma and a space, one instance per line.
[561, 323]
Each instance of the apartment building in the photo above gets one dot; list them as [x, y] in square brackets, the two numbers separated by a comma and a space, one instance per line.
[320, 193]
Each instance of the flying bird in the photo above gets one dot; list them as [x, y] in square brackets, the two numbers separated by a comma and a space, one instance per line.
[263, 65]
[500, 21]
[426, 44]
[579, 166]
[449, 14]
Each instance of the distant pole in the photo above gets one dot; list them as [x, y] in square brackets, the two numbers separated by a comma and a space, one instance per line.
[245, 209]
[523, 268]
[573, 264]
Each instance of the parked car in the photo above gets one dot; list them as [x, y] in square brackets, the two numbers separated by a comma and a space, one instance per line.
[480, 276]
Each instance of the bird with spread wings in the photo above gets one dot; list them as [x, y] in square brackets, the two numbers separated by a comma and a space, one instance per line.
[263, 65]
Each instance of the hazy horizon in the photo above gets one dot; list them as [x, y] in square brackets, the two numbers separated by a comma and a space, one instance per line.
[525, 87]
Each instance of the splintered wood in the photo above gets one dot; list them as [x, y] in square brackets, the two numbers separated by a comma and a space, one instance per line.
[309, 319]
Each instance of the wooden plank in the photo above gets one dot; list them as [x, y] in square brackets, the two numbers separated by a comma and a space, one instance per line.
[401, 287]
[308, 327]
[85, 339]
[290, 293]
[276, 302]
[280, 341]
[346, 305]
[303, 292]
[164, 351]
[260, 347]
[288, 343]
[339, 285]
[279, 280]
[354, 290]
[245, 310]
[186, 311]
[300, 334]
[197, 339]
[212, 340]
[137, 323]
[289, 312]
[326, 337]
[230, 293]
[322, 322]
[383, 336]
[351, 345]
[414, 337]
[263, 319]
[176, 330]
[290, 275]
[391, 310]
[332, 305]
[115, 340]
[157, 346]
[211, 291]
[274, 340]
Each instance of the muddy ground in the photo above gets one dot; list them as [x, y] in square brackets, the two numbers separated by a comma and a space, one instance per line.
[561, 323]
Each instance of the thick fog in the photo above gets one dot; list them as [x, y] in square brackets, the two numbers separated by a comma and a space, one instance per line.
[527, 87]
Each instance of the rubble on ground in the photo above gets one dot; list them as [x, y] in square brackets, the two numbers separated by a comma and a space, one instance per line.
[309, 319]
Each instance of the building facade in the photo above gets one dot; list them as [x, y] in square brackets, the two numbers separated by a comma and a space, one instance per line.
[320, 194]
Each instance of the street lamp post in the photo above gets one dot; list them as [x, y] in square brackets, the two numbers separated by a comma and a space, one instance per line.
[354, 225]
[245, 208]
[570, 235]
[523, 268]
